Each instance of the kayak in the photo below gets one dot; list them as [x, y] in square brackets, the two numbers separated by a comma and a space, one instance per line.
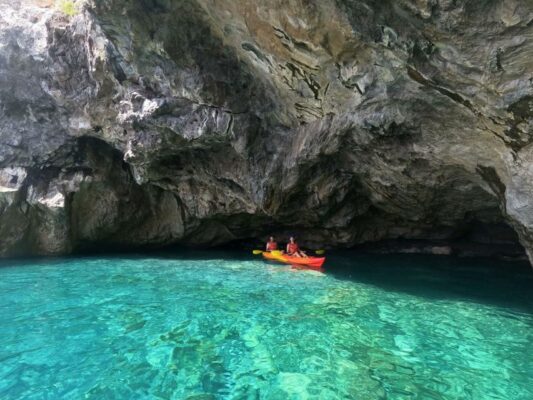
[314, 262]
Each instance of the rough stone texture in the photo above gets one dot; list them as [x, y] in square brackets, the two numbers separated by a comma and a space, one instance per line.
[151, 122]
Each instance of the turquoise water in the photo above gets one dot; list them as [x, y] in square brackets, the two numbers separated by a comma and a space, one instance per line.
[224, 326]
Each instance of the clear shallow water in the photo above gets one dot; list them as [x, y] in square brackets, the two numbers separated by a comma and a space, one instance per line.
[215, 326]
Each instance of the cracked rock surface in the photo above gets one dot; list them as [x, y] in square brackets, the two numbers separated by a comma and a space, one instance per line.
[155, 122]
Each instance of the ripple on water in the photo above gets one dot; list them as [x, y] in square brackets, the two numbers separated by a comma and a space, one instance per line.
[193, 328]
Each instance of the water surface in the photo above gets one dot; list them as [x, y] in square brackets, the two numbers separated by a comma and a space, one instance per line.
[228, 326]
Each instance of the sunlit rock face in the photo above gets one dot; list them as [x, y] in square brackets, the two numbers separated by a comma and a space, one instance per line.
[153, 122]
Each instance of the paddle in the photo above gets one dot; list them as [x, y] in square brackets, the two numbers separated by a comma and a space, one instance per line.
[277, 252]
[274, 252]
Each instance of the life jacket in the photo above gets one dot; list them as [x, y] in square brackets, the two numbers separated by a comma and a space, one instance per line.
[272, 246]
[292, 248]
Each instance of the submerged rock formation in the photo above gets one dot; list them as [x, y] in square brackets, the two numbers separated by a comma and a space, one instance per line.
[152, 122]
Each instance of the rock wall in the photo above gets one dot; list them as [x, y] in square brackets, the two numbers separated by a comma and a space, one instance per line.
[152, 122]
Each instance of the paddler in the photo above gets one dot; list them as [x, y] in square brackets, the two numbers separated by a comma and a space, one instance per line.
[293, 249]
[271, 244]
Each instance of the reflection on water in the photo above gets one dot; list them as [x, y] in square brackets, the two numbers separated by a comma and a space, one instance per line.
[216, 326]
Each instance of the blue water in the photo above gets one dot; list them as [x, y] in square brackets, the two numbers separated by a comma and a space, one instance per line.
[228, 326]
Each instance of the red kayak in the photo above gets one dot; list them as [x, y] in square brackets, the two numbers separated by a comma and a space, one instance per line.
[313, 262]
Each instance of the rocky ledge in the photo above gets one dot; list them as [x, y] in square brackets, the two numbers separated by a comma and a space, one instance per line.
[153, 122]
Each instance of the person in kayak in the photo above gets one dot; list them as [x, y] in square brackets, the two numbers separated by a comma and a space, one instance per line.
[293, 249]
[271, 244]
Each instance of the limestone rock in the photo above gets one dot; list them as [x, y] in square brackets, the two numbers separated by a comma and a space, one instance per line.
[199, 122]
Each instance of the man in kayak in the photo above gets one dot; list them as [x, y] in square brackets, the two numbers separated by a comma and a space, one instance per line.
[271, 244]
[293, 249]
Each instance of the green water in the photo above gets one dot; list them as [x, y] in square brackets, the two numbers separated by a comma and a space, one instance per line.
[228, 326]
